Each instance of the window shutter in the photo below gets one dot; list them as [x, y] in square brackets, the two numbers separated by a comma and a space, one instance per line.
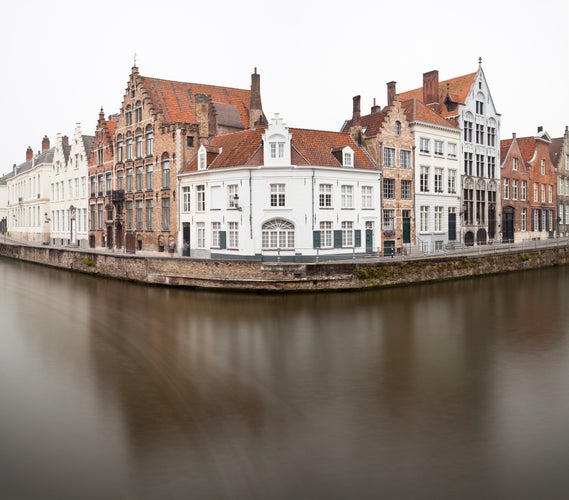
[338, 238]
[223, 239]
[316, 239]
[358, 238]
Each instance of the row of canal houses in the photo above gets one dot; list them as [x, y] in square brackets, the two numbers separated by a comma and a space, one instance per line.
[199, 170]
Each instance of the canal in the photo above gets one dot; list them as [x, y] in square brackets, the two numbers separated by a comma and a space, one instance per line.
[112, 390]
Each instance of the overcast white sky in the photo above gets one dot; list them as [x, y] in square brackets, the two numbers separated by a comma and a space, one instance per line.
[62, 60]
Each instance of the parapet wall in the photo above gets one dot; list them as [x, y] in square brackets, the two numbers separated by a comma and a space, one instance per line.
[259, 276]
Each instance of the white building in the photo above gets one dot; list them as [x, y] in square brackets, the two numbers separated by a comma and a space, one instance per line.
[466, 101]
[68, 189]
[28, 196]
[280, 194]
[437, 177]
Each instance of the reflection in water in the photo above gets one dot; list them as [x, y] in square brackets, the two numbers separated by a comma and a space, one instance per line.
[114, 390]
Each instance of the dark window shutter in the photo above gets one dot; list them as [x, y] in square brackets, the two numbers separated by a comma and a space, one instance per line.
[533, 219]
[222, 239]
[358, 238]
[316, 239]
[338, 238]
[452, 226]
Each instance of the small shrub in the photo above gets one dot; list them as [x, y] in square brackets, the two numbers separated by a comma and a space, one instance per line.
[89, 262]
[524, 257]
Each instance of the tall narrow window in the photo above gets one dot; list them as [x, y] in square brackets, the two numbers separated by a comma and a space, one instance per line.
[326, 234]
[438, 180]
[347, 196]
[325, 196]
[347, 234]
[149, 141]
[233, 235]
[165, 213]
[389, 157]
[277, 195]
[388, 189]
[200, 198]
[367, 197]
[165, 171]
[467, 131]
[424, 179]
[404, 159]
[186, 207]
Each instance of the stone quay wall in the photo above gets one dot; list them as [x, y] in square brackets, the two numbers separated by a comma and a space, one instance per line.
[285, 277]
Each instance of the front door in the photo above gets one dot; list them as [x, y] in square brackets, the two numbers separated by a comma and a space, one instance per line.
[508, 225]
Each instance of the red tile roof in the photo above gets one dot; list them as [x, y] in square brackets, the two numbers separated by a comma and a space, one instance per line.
[176, 100]
[415, 110]
[457, 88]
[309, 147]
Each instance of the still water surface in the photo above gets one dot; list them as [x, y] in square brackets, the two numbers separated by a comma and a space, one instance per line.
[110, 390]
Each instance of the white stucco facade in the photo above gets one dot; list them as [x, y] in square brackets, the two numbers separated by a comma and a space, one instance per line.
[68, 190]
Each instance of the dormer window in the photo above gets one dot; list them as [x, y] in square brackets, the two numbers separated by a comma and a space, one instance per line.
[276, 142]
[348, 157]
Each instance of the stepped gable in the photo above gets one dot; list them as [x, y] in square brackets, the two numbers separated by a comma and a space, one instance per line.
[176, 101]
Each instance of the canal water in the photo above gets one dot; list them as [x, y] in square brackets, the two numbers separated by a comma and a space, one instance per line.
[112, 390]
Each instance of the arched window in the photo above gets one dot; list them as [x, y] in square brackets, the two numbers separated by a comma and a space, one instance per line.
[138, 112]
[138, 138]
[278, 234]
[397, 128]
[128, 115]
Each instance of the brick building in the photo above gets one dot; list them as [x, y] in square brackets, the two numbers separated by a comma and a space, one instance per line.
[541, 186]
[160, 125]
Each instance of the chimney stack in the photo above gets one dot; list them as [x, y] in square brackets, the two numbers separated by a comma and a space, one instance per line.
[44, 144]
[356, 114]
[539, 129]
[375, 108]
[29, 153]
[65, 140]
[513, 135]
[256, 115]
[390, 93]
[431, 87]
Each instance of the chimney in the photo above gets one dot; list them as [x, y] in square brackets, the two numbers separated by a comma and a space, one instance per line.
[431, 87]
[29, 153]
[539, 129]
[44, 144]
[513, 135]
[65, 140]
[356, 114]
[375, 108]
[256, 115]
[390, 93]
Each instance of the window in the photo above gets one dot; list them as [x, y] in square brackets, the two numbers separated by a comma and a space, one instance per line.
[149, 141]
[326, 234]
[325, 196]
[128, 116]
[424, 180]
[233, 235]
[542, 164]
[139, 217]
[165, 171]
[347, 195]
[165, 213]
[452, 181]
[506, 189]
[138, 112]
[397, 128]
[550, 194]
[347, 234]
[186, 199]
[492, 167]
[200, 226]
[202, 159]
[468, 163]
[139, 178]
[388, 222]
[128, 206]
[535, 192]
[404, 159]
[451, 147]
[543, 193]
[389, 157]
[277, 149]
[367, 197]
[424, 145]
[139, 143]
[467, 131]
[468, 206]
[200, 198]
[100, 156]
[215, 229]
[524, 186]
[99, 216]
[348, 159]
[277, 234]
[424, 218]
[129, 148]
[120, 181]
[277, 195]
[129, 179]
[149, 183]
[480, 165]
[406, 189]
[480, 206]
[232, 196]
[479, 107]
[439, 148]
[438, 219]
[388, 189]
[100, 184]
[120, 152]
[109, 183]
[438, 180]
[149, 215]
[491, 136]
[514, 190]
[524, 219]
